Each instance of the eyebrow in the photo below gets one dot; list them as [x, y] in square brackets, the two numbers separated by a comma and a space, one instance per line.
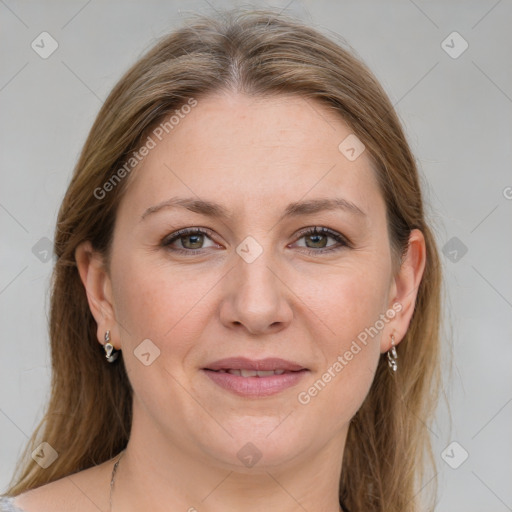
[216, 210]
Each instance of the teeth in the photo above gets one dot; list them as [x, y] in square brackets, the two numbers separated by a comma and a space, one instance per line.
[254, 373]
[248, 373]
[266, 373]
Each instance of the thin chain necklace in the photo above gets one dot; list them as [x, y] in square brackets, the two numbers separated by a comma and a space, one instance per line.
[114, 469]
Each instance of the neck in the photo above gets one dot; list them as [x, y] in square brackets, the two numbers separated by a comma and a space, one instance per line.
[155, 473]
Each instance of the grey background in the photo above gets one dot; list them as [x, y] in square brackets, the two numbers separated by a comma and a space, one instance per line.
[457, 114]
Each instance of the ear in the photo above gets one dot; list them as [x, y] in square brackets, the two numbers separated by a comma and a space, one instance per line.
[98, 288]
[404, 289]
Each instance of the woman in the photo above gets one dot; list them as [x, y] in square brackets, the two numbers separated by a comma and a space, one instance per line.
[246, 301]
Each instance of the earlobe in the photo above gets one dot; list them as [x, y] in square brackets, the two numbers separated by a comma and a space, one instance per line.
[97, 286]
[405, 286]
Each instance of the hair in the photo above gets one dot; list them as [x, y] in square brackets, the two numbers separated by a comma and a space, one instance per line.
[262, 54]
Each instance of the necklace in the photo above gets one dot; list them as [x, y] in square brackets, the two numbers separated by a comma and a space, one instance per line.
[114, 469]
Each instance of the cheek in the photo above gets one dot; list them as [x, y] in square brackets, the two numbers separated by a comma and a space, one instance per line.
[345, 302]
[151, 303]
[350, 309]
[160, 303]
[341, 383]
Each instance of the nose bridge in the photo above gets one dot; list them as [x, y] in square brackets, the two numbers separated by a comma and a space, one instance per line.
[257, 258]
[257, 295]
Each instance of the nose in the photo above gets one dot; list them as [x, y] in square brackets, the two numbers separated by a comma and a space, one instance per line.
[256, 296]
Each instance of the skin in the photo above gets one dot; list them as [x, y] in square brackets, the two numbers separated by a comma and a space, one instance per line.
[254, 156]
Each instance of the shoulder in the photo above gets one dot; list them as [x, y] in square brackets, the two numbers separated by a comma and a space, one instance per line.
[84, 491]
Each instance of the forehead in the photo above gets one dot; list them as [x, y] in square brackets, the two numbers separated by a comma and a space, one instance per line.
[241, 150]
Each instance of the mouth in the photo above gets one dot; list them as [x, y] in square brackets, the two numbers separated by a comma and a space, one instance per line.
[251, 373]
[255, 378]
[274, 364]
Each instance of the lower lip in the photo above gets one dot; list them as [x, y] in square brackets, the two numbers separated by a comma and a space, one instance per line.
[255, 386]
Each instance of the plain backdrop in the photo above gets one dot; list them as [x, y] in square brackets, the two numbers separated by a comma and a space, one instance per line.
[456, 107]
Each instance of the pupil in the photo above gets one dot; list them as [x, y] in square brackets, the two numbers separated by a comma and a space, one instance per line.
[317, 236]
[196, 241]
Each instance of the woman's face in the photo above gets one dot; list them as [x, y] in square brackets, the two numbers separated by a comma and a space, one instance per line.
[257, 284]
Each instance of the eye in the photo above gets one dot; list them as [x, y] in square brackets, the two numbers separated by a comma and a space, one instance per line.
[191, 240]
[318, 238]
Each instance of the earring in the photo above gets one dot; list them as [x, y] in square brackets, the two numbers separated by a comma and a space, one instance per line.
[392, 355]
[110, 352]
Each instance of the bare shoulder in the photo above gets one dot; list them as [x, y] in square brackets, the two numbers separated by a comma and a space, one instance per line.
[84, 491]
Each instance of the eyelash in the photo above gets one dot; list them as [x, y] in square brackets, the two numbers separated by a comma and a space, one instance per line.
[167, 241]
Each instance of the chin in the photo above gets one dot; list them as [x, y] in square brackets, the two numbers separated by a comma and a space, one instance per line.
[258, 447]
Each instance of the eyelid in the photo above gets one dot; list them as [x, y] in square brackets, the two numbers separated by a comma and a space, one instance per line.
[176, 235]
[321, 230]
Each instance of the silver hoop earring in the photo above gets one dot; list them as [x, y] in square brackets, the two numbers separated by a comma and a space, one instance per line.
[110, 352]
[392, 355]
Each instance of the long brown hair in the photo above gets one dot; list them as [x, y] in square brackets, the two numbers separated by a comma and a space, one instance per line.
[259, 53]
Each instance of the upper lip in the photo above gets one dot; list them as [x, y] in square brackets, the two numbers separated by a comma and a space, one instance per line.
[242, 363]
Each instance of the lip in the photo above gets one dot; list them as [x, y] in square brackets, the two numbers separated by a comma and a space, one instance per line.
[270, 363]
[255, 387]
